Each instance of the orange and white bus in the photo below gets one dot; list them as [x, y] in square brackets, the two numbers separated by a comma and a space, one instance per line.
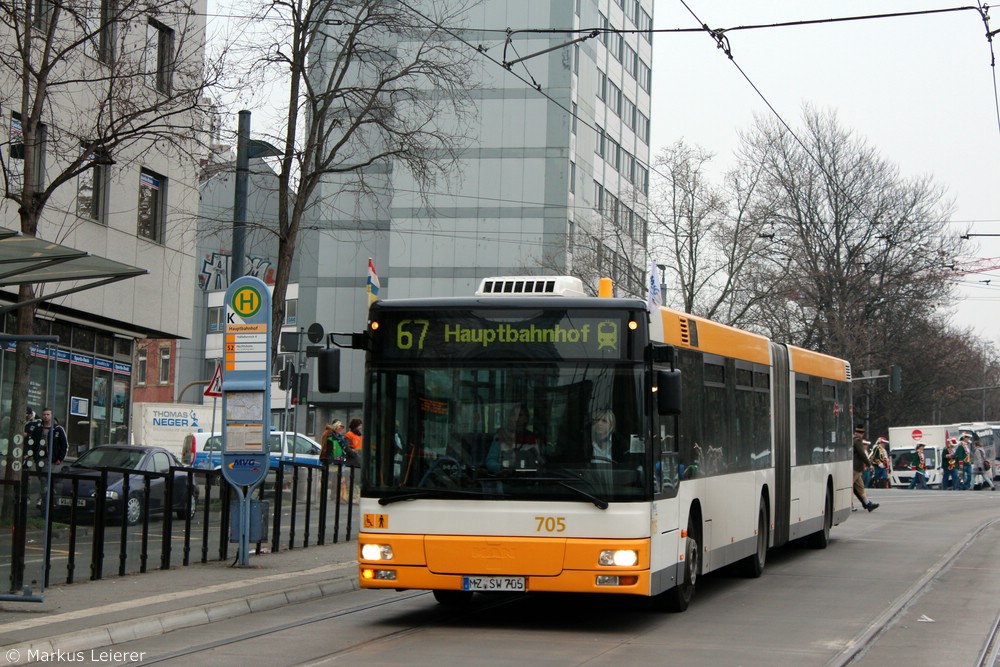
[534, 439]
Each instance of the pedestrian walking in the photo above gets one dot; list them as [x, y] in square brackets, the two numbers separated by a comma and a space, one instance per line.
[949, 466]
[963, 461]
[860, 464]
[919, 480]
[981, 465]
[879, 458]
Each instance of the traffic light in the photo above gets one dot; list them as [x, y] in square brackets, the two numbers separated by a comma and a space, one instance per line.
[328, 371]
[895, 379]
[300, 394]
[286, 377]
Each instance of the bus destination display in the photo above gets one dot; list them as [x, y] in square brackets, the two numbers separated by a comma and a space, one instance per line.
[465, 335]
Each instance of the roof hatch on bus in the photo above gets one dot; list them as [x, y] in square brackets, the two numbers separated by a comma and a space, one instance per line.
[531, 286]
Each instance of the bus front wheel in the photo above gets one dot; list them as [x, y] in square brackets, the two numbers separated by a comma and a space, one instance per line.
[679, 597]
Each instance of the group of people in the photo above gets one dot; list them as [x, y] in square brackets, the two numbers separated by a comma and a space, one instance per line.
[342, 448]
[339, 446]
[963, 461]
[962, 464]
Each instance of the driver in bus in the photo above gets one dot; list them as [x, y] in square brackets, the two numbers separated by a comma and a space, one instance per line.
[514, 447]
[608, 452]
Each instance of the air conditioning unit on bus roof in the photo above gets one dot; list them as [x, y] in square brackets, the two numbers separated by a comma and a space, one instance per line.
[531, 286]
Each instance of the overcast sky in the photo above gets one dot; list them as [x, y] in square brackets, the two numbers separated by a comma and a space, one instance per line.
[919, 88]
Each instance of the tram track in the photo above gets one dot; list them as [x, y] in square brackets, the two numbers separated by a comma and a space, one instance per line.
[857, 649]
[443, 617]
[280, 627]
[991, 651]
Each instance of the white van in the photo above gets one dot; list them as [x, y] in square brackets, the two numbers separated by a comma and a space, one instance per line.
[903, 451]
[198, 442]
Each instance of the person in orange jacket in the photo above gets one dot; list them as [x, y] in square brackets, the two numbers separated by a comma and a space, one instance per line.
[354, 433]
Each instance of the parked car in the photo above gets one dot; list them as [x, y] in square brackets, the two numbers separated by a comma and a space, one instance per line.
[87, 469]
[283, 446]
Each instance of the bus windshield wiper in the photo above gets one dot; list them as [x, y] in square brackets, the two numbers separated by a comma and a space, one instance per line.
[601, 503]
[428, 493]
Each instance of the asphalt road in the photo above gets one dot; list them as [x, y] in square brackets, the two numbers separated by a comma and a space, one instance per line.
[916, 582]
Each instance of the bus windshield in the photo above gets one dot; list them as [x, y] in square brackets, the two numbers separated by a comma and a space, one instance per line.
[541, 431]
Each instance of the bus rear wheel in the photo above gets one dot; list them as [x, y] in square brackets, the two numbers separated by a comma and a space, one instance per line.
[453, 598]
[679, 597]
[753, 565]
[821, 537]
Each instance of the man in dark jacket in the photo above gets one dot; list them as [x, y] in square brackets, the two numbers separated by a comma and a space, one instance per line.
[39, 432]
[860, 463]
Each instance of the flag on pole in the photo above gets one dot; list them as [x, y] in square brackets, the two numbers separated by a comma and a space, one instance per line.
[655, 297]
[372, 283]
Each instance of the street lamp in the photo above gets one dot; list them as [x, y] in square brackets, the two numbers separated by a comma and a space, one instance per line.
[663, 283]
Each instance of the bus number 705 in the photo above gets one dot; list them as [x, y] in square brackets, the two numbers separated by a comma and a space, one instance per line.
[550, 524]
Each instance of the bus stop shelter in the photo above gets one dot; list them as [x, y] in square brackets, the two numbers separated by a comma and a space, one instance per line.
[30, 260]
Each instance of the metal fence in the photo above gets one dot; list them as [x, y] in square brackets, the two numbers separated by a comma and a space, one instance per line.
[128, 521]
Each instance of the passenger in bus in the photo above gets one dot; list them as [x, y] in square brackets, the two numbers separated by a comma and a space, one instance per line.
[693, 467]
[514, 446]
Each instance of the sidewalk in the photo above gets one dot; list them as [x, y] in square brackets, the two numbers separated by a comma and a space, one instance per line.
[91, 614]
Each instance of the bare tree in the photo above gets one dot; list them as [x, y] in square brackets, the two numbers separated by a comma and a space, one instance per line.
[865, 246]
[94, 84]
[372, 86]
[609, 244]
[710, 236]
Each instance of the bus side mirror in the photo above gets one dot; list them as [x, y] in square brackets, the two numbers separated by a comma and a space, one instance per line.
[668, 392]
[328, 371]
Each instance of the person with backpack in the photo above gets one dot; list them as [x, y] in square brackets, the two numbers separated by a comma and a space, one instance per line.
[332, 443]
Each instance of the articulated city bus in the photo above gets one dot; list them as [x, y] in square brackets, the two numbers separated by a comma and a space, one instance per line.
[521, 440]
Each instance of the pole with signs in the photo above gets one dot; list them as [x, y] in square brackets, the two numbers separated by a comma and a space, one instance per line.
[214, 391]
[246, 395]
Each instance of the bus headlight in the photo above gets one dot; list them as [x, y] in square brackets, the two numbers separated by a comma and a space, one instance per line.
[619, 557]
[376, 552]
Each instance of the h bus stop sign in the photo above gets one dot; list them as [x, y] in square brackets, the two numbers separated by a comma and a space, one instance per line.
[246, 393]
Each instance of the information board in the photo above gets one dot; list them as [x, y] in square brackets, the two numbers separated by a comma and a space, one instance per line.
[246, 382]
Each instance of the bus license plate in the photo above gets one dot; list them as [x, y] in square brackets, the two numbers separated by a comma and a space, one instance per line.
[500, 584]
